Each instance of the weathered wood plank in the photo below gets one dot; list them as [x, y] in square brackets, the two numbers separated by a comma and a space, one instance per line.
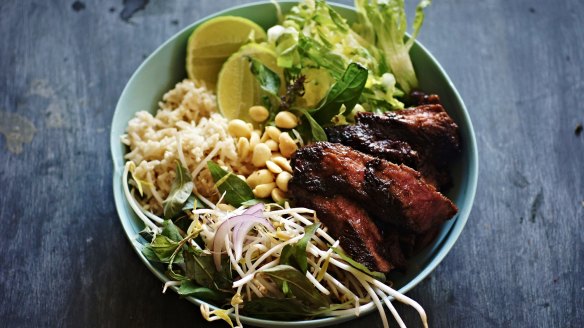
[66, 262]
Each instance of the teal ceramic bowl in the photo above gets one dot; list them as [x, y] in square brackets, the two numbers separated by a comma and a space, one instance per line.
[165, 67]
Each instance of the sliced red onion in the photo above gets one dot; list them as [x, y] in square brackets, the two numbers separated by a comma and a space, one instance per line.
[239, 238]
[242, 223]
[255, 210]
[259, 207]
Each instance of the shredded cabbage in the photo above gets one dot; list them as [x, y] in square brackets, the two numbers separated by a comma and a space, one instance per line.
[313, 35]
[384, 23]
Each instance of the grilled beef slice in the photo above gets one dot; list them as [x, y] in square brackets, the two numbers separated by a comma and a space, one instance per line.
[351, 225]
[427, 129]
[388, 192]
[424, 138]
[360, 137]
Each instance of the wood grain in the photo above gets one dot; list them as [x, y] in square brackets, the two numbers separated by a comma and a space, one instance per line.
[66, 262]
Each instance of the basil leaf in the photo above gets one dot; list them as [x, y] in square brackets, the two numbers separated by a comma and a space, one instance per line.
[189, 288]
[182, 222]
[236, 190]
[175, 275]
[224, 278]
[200, 268]
[317, 131]
[192, 203]
[282, 309]
[161, 250]
[295, 254]
[147, 234]
[171, 231]
[377, 275]
[181, 189]
[298, 284]
[345, 92]
[268, 80]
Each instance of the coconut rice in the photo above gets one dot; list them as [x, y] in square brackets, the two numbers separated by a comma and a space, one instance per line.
[186, 128]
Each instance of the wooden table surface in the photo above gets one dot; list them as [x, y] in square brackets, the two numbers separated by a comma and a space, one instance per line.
[66, 262]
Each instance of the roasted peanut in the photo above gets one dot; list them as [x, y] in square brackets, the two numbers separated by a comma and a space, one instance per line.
[286, 120]
[287, 145]
[276, 155]
[239, 128]
[273, 145]
[243, 147]
[258, 113]
[273, 132]
[282, 180]
[254, 139]
[283, 163]
[273, 167]
[263, 190]
[260, 177]
[261, 153]
[278, 195]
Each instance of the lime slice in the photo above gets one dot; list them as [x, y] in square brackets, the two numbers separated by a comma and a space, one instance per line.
[237, 88]
[214, 41]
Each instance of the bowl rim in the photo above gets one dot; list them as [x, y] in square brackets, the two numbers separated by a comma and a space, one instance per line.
[442, 249]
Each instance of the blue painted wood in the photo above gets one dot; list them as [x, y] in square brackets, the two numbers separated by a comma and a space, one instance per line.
[66, 262]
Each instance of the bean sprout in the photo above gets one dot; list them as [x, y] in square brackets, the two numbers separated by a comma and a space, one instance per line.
[351, 290]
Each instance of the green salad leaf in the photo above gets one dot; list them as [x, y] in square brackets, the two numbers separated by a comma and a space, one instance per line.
[181, 189]
[189, 288]
[346, 92]
[236, 190]
[200, 268]
[316, 129]
[298, 285]
[385, 22]
[163, 246]
[161, 249]
[314, 36]
[170, 230]
[338, 103]
[268, 80]
[192, 203]
[320, 55]
[295, 254]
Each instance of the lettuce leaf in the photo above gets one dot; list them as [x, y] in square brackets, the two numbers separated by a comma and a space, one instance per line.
[384, 22]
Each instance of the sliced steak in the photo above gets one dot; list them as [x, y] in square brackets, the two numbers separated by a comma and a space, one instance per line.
[392, 193]
[427, 129]
[346, 221]
[424, 138]
[393, 248]
[362, 138]
[403, 198]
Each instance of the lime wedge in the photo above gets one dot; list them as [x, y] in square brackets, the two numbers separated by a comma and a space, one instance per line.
[214, 41]
[237, 88]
